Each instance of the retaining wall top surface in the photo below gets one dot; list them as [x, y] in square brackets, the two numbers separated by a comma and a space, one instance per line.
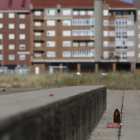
[17, 103]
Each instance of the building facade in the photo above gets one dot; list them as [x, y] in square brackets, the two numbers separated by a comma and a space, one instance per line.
[14, 36]
[84, 36]
[76, 35]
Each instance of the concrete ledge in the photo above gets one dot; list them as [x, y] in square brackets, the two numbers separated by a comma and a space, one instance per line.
[71, 114]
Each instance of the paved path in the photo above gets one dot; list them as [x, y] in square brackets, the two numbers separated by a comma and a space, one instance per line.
[130, 117]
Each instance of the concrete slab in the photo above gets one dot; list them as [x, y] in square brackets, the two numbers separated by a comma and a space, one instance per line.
[101, 132]
[130, 117]
[14, 104]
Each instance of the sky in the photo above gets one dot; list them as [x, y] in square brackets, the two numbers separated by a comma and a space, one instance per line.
[128, 1]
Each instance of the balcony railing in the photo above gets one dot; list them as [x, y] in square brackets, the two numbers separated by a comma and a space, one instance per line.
[39, 38]
[39, 48]
[42, 27]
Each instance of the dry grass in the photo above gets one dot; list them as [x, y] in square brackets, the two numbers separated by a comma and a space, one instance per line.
[112, 80]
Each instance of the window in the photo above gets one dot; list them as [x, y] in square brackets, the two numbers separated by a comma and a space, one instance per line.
[111, 33]
[22, 47]
[111, 43]
[122, 34]
[111, 54]
[37, 44]
[66, 54]
[111, 23]
[50, 43]
[122, 23]
[105, 23]
[139, 26]
[11, 47]
[105, 43]
[37, 33]
[75, 13]
[90, 44]
[130, 33]
[90, 13]
[105, 12]
[22, 36]
[66, 22]
[50, 22]
[21, 26]
[1, 47]
[125, 13]
[105, 33]
[1, 36]
[130, 22]
[37, 54]
[50, 12]
[138, 35]
[83, 22]
[83, 53]
[58, 10]
[139, 46]
[66, 12]
[1, 25]
[130, 53]
[11, 26]
[50, 33]
[11, 15]
[66, 43]
[1, 15]
[82, 13]
[83, 32]
[50, 54]
[11, 57]
[138, 14]
[22, 16]
[75, 44]
[11, 36]
[118, 13]
[106, 54]
[139, 55]
[37, 13]
[1, 57]
[82, 44]
[130, 44]
[22, 57]
[66, 33]
[37, 23]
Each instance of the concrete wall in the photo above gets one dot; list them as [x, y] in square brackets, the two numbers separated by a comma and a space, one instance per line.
[72, 118]
[98, 29]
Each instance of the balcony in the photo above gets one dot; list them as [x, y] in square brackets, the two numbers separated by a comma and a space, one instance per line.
[81, 38]
[39, 38]
[38, 17]
[39, 49]
[39, 28]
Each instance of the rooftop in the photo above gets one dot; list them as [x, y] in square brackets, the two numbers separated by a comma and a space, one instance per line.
[78, 3]
[11, 5]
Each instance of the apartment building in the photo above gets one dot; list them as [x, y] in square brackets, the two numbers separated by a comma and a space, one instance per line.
[84, 35]
[14, 36]
[75, 35]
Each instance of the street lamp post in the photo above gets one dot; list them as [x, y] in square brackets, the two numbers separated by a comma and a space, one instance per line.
[2, 52]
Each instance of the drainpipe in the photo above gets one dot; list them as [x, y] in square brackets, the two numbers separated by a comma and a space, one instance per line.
[17, 41]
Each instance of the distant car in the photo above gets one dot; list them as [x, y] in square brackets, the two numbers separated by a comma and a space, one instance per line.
[103, 73]
[78, 73]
